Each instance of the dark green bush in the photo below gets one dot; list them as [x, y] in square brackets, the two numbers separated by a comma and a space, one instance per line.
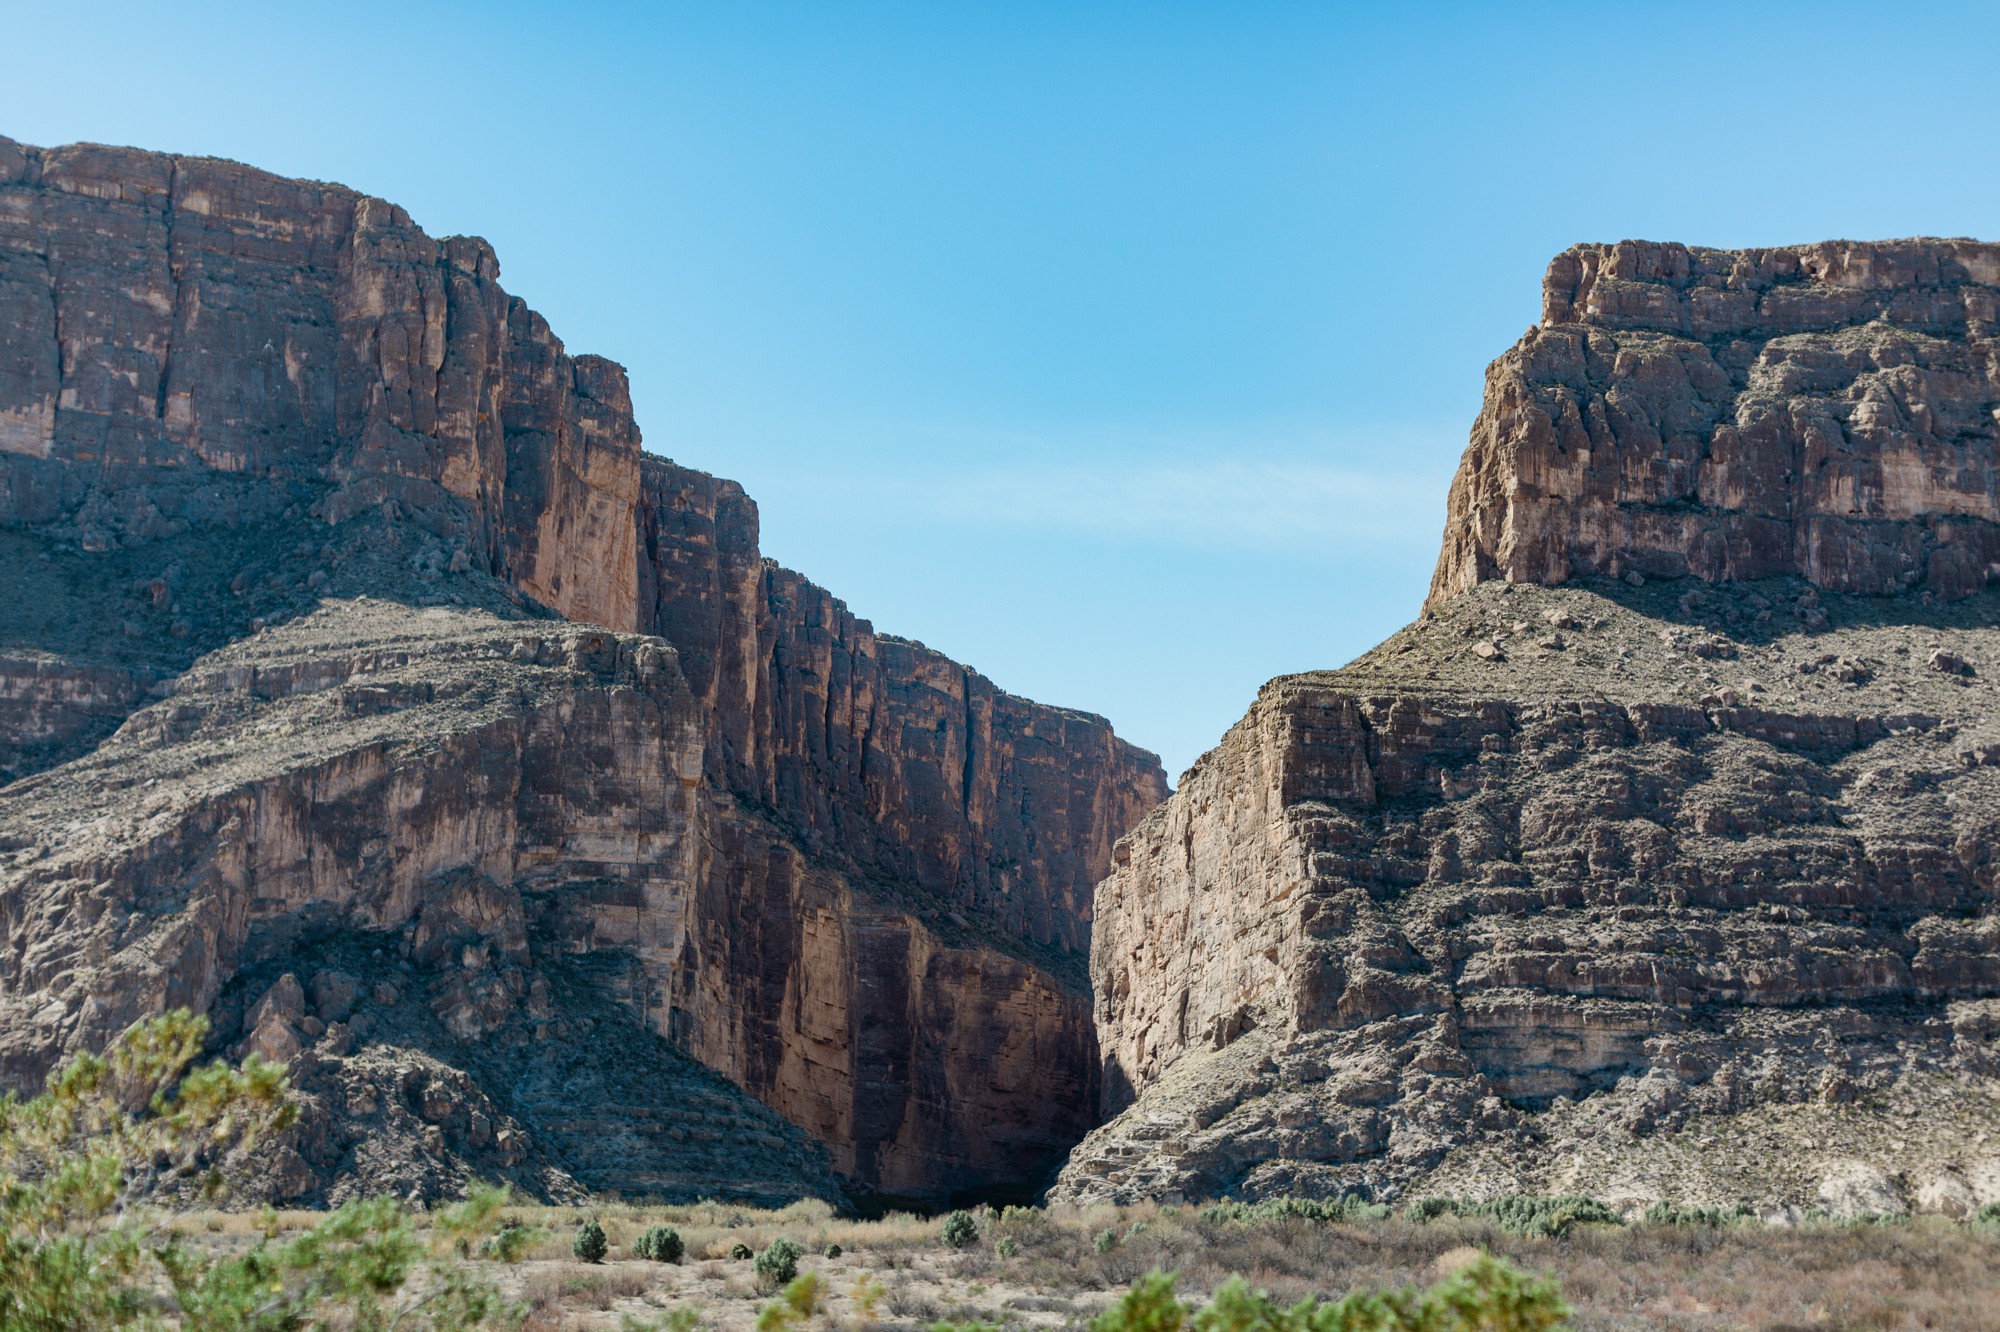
[778, 1264]
[662, 1244]
[959, 1230]
[830, 1251]
[1986, 1218]
[590, 1244]
[739, 1251]
[1104, 1241]
[1006, 1246]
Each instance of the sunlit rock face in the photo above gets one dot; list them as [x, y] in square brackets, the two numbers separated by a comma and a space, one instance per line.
[1822, 411]
[1655, 860]
[342, 617]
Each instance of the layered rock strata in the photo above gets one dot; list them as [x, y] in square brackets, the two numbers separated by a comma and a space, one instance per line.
[1824, 411]
[838, 868]
[1672, 885]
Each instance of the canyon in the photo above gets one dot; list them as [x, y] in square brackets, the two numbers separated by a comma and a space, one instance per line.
[370, 689]
[367, 687]
[1655, 860]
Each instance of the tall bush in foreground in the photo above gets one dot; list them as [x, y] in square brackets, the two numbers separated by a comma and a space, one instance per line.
[87, 1246]
[1489, 1296]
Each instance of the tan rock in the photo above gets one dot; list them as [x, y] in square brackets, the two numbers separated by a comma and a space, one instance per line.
[1646, 425]
[834, 865]
[1947, 1195]
[1851, 1189]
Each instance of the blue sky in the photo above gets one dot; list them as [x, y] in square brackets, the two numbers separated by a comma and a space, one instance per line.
[1121, 350]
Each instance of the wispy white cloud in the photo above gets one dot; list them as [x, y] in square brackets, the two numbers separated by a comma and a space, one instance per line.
[1281, 500]
[1279, 506]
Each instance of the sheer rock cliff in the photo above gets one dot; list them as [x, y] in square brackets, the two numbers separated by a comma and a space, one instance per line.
[1656, 859]
[1822, 411]
[368, 687]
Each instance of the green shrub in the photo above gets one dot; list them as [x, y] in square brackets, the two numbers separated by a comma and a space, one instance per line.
[1149, 1306]
[509, 1244]
[1105, 1240]
[1007, 1246]
[796, 1305]
[739, 1251]
[1349, 1208]
[959, 1230]
[831, 1251]
[1667, 1214]
[1986, 1219]
[662, 1244]
[1521, 1213]
[590, 1244]
[126, 1124]
[1489, 1296]
[778, 1265]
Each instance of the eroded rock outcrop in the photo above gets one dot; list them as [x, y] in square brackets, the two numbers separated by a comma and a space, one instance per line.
[1673, 880]
[341, 614]
[1824, 411]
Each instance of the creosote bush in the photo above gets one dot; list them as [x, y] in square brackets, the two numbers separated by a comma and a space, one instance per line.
[960, 1230]
[1489, 1296]
[778, 1265]
[661, 1244]
[830, 1251]
[1105, 1240]
[1007, 1246]
[590, 1244]
[739, 1251]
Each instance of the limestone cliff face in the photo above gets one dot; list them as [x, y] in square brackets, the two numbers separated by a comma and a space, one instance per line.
[875, 749]
[1824, 411]
[946, 1019]
[845, 872]
[1656, 859]
[184, 313]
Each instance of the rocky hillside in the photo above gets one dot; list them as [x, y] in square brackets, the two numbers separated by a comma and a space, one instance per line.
[366, 686]
[1656, 860]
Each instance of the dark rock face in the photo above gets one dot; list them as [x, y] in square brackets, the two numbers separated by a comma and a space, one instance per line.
[1675, 882]
[290, 497]
[1824, 411]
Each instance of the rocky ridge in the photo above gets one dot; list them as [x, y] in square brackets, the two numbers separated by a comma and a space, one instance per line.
[1646, 863]
[344, 617]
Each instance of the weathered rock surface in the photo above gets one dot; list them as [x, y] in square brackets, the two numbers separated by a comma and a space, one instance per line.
[1673, 881]
[291, 497]
[1824, 411]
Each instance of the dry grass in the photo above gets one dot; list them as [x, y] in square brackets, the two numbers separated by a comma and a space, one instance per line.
[1927, 1273]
